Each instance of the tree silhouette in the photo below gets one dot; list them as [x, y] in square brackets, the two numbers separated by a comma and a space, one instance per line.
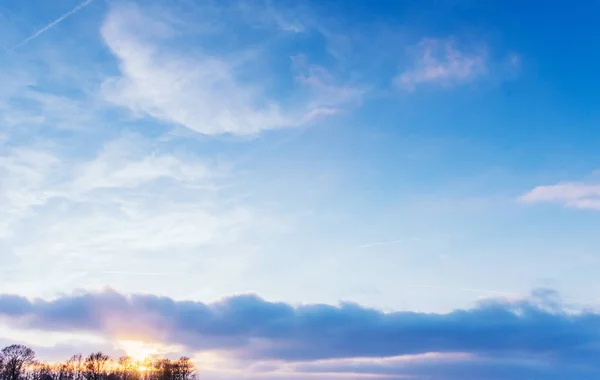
[127, 369]
[40, 371]
[15, 359]
[95, 366]
[183, 369]
[74, 368]
[17, 362]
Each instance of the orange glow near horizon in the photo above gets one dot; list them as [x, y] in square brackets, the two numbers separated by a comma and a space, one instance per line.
[139, 350]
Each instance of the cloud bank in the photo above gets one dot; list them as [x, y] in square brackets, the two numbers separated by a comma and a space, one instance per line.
[251, 326]
[516, 339]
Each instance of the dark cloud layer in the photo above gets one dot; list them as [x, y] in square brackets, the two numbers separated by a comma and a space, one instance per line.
[475, 368]
[539, 329]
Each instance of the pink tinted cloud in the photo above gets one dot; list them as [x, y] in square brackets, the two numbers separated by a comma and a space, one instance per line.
[570, 194]
[442, 62]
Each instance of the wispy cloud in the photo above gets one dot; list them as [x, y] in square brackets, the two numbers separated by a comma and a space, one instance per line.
[86, 184]
[442, 62]
[205, 92]
[122, 207]
[570, 194]
[325, 91]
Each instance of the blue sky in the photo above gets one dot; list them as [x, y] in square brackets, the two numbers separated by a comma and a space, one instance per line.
[403, 156]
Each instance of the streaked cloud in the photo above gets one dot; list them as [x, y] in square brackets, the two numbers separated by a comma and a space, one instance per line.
[121, 206]
[570, 194]
[378, 244]
[28, 105]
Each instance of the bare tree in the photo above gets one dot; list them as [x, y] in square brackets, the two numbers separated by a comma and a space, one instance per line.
[166, 369]
[64, 372]
[15, 359]
[95, 366]
[162, 369]
[40, 371]
[128, 369]
[183, 369]
[75, 367]
[18, 363]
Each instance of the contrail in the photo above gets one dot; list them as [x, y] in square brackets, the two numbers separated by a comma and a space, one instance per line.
[137, 273]
[380, 243]
[467, 290]
[500, 292]
[49, 26]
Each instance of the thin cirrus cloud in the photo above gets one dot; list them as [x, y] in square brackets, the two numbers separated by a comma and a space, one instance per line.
[100, 193]
[204, 91]
[442, 62]
[120, 207]
[570, 194]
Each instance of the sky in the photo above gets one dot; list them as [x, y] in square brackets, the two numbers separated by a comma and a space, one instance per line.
[304, 189]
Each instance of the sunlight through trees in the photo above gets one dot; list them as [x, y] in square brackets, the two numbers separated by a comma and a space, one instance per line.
[18, 362]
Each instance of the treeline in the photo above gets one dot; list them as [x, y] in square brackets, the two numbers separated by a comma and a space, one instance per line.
[18, 362]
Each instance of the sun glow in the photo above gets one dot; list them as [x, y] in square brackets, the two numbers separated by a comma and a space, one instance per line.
[139, 350]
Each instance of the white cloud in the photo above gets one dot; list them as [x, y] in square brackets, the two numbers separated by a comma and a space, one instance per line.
[442, 62]
[571, 194]
[74, 215]
[130, 162]
[197, 90]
